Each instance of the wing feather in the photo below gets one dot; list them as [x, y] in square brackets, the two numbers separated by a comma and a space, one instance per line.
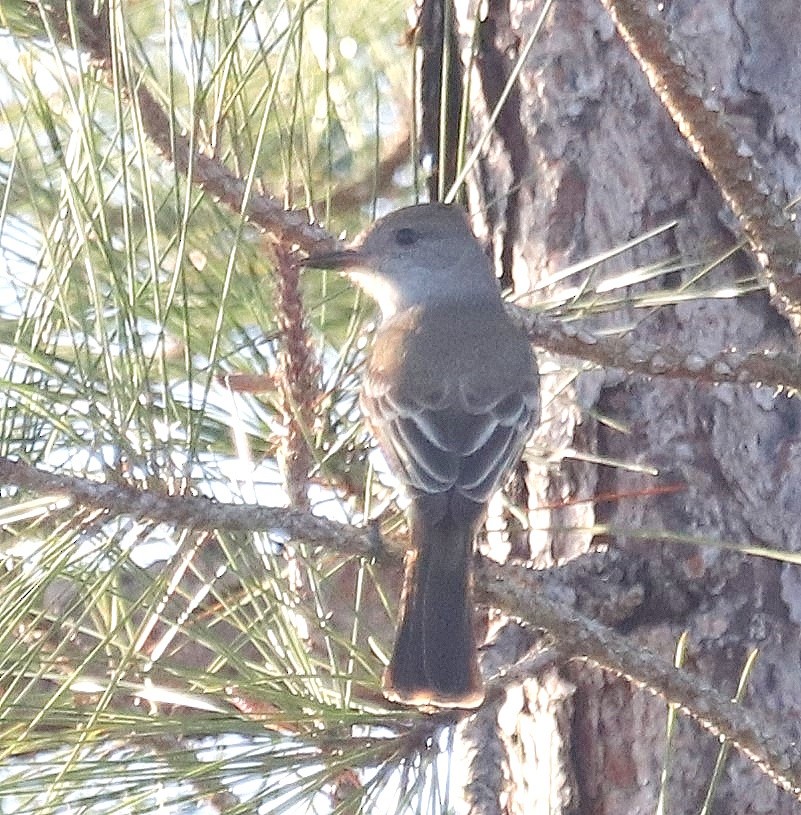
[453, 439]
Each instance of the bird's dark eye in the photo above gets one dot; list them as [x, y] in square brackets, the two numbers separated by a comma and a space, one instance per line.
[406, 237]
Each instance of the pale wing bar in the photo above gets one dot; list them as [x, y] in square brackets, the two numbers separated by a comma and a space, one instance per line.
[467, 445]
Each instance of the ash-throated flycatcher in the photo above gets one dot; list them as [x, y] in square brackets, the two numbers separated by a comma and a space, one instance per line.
[451, 393]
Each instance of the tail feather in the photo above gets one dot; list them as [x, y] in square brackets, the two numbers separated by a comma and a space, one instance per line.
[434, 661]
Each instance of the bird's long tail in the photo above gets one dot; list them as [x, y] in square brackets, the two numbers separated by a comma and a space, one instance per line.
[434, 662]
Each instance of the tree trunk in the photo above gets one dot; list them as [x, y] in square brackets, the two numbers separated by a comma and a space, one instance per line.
[592, 159]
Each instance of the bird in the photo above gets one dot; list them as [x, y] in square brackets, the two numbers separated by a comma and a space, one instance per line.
[451, 394]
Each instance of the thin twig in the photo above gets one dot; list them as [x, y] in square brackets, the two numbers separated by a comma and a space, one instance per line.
[440, 92]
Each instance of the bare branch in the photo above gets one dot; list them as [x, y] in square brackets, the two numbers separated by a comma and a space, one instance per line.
[189, 511]
[636, 356]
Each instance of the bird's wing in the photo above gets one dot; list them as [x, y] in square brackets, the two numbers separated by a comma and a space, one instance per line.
[465, 437]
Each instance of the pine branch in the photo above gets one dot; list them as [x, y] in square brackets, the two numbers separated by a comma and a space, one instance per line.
[193, 512]
[772, 236]
[636, 355]
[267, 212]
[526, 593]
[298, 381]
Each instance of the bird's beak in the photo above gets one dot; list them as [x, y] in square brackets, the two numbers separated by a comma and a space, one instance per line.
[342, 260]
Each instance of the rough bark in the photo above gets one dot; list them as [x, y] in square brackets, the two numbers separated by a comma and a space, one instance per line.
[596, 160]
